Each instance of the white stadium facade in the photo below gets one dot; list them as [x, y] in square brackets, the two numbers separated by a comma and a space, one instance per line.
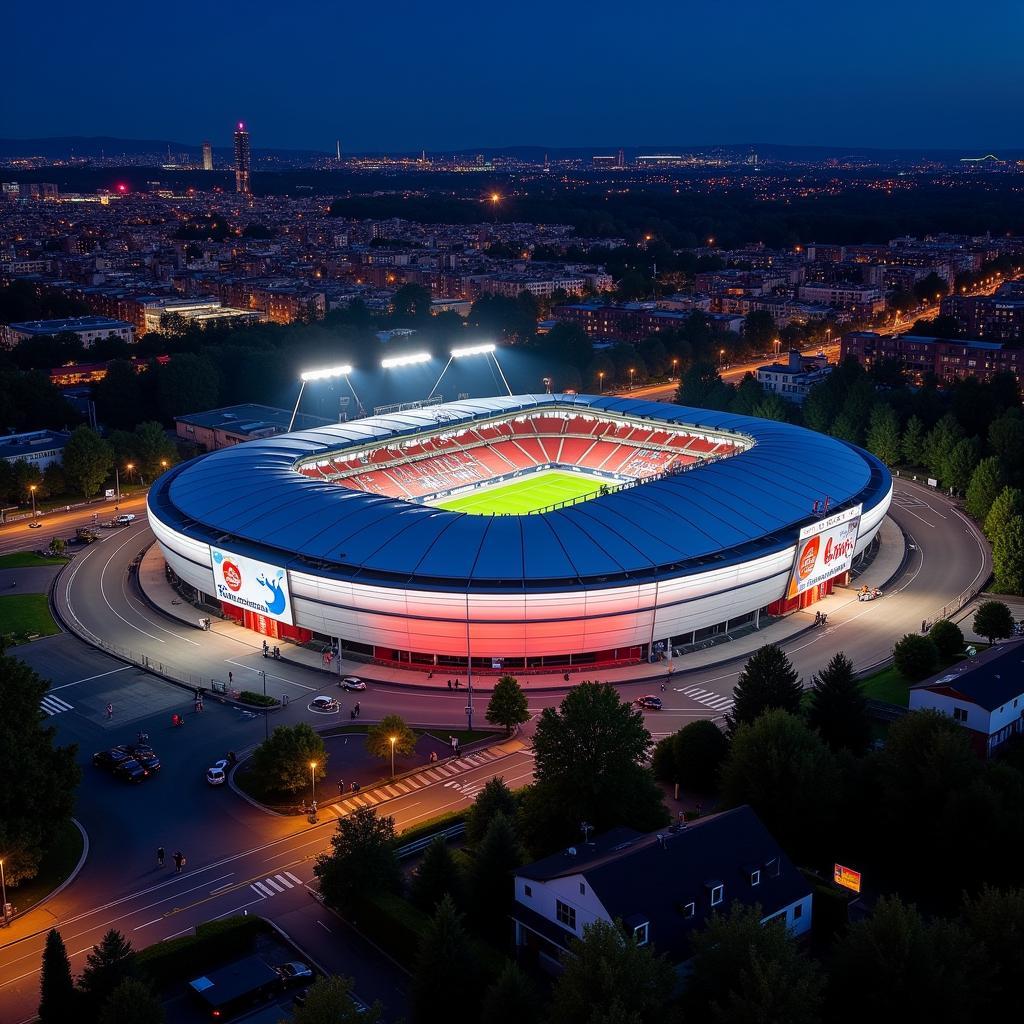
[701, 522]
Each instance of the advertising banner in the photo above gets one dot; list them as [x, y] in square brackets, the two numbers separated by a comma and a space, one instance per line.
[825, 550]
[846, 877]
[256, 586]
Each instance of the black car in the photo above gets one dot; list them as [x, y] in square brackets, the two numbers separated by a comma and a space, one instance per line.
[131, 770]
[145, 755]
[110, 759]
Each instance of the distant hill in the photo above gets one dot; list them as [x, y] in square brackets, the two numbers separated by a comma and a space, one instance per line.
[88, 147]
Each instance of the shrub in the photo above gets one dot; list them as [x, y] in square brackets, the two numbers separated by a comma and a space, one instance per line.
[916, 657]
[259, 700]
[948, 638]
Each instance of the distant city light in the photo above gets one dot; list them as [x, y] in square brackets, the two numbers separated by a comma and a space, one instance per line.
[473, 350]
[416, 357]
[330, 371]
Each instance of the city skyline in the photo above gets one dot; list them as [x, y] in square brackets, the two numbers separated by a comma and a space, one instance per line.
[818, 78]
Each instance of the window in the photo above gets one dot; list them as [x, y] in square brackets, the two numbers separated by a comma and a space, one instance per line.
[688, 909]
[566, 915]
[640, 933]
[755, 877]
[583, 889]
[527, 890]
[772, 867]
[798, 912]
[717, 894]
[960, 714]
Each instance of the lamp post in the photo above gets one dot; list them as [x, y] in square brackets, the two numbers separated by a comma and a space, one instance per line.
[131, 467]
[393, 739]
[721, 357]
[495, 199]
[312, 783]
[117, 482]
[32, 491]
[675, 367]
[632, 371]
[600, 378]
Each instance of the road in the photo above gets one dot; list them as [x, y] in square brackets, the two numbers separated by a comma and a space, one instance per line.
[238, 856]
[20, 535]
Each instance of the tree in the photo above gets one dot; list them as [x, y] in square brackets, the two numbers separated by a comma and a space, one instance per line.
[1009, 503]
[912, 445]
[894, 966]
[985, 486]
[37, 774]
[87, 461]
[495, 798]
[497, 856]
[993, 620]
[281, 763]
[838, 709]
[941, 440]
[56, 988]
[436, 877]
[362, 860]
[153, 448]
[590, 756]
[883, 437]
[512, 999]
[702, 387]
[995, 920]
[772, 407]
[607, 969]
[110, 962]
[759, 330]
[131, 1002]
[329, 1001]
[957, 468]
[916, 656]
[1008, 556]
[745, 971]
[188, 383]
[1006, 441]
[768, 680]
[121, 396]
[947, 637]
[790, 778]
[693, 756]
[411, 301]
[379, 736]
[507, 705]
[446, 979]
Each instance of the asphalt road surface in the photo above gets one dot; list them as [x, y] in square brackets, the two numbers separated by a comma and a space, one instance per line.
[240, 858]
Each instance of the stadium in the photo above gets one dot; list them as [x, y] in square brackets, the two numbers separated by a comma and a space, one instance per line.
[523, 532]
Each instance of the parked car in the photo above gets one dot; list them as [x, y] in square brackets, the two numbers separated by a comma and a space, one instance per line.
[145, 755]
[295, 972]
[125, 518]
[324, 704]
[217, 773]
[352, 683]
[650, 701]
[111, 758]
[131, 770]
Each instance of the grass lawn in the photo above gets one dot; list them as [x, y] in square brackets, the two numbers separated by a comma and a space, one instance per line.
[26, 559]
[527, 495]
[22, 614]
[58, 862]
[888, 685]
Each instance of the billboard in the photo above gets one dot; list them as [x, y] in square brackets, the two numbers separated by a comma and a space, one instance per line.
[846, 877]
[825, 550]
[247, 583]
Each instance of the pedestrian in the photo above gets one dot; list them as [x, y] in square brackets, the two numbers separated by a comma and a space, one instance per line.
[924, 625]
[179, 862]
[110, 711]
[449, 684]
[359, 710]
[352, 787]
[341, 787]
[159, 856]
[312, 808]
[231, 678]
[265, 648]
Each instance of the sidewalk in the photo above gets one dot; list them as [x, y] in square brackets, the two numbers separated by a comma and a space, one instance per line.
[887, 563]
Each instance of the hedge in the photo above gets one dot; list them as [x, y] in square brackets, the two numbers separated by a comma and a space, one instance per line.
[215, 941]
[260, 700]
[438, 823]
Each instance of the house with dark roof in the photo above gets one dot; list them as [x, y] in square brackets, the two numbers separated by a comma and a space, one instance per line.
[984, 694]
[662, 886]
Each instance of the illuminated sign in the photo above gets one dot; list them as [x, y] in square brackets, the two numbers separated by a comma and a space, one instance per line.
[248, 583]
[825, 550]
[846, 877]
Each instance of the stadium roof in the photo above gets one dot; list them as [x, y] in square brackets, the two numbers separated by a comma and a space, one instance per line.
[251, 496]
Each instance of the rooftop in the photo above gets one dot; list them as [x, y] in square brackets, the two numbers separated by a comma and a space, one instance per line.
[71, 323]
[991, 680]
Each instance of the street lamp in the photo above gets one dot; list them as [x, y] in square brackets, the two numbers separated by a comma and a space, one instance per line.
[600, 378]
[312, 780]
[392, 738]
[495, 199]
[32, 491]
[632, 371]
[130, 467]
[675, 367]
[721, 356]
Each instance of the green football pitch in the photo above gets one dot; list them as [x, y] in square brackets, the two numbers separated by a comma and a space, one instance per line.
[522, 496]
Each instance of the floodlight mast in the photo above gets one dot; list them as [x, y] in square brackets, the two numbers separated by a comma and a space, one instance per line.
[410, 360]
[484, 349]
[324, 374]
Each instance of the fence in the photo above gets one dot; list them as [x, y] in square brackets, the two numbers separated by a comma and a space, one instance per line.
[419, 845]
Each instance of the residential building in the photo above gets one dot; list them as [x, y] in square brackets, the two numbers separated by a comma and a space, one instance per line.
[984, 694]
[998, 317]
[243, 160]
[628, 321]
[794, 378]
[222, 428]
[89, 328]
[39, 448]
[207, 156]
[858, 299]
[949, 359]
[662, 887]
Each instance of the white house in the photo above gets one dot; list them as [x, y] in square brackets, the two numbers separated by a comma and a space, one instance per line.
[984, 694]
[662, 886]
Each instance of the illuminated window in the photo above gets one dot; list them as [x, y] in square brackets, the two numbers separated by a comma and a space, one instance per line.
[717, 894]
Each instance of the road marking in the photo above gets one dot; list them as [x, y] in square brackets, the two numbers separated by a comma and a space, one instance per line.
[297, 881]
[322, 925]
[54, 705]
[284, 881]
[87, 679]
[261, 889]
[710, 699]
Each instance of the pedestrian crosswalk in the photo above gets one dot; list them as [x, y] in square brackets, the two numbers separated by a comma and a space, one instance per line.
[708, 698]
[276, 884]
[51, 705]
[410, 783]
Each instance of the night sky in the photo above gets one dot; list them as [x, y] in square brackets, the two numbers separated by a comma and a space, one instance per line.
[405, 75]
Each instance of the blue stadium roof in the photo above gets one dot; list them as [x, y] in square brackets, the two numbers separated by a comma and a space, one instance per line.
[720, 513]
